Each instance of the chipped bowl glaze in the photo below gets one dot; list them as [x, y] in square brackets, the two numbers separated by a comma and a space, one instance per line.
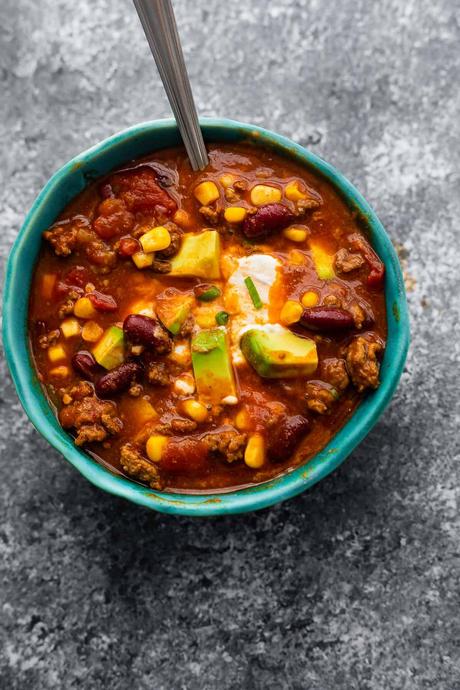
[70, 180]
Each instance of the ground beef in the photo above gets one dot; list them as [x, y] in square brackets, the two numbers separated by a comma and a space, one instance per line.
[230, 444]
[211, 215]
[175, 233]
[335, 372]
[362, 363]
[161, 266]
[91, 418]
[345, 261]
[187, 327]
[138, 467]
[309, 203]
[176, 425]
[63, 238]
[240, 185]
[101, 254]
[332, 301]
[135, 390]
[158, 374]
[113, 218]
[231, 196]
[66, 308]
[49, 338]
[320, 396]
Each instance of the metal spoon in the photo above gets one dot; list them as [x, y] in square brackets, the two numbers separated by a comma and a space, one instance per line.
[159, 24]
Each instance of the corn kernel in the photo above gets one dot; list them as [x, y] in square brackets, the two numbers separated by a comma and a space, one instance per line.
[155, 447]
[235, 214]
[195, 410]
[142, 260]
[67, 399]
[91, 332]
[227, 180]
[206, 193]
[60, 372]
[155, 240]
[56, 353]
[291, 312]
[295, 234]
[182, 218]
[293, 191]
[310, 299]
[70, 328]
[143, 411]
[254, 455]
[47, 286]
[264, 194]
[184, 385]
[242, 421]
[84, 309]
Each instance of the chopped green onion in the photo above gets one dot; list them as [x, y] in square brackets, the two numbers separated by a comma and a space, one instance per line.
[222, 318]
[254, 295]
[212, 292]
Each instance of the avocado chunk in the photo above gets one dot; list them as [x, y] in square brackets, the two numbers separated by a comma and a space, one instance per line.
[172, 308]
[323, 260]
[212, 366]
[199, 255]
[275, 352]
[109, 351]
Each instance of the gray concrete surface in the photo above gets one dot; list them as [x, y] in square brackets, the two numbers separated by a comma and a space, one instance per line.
[356, 583]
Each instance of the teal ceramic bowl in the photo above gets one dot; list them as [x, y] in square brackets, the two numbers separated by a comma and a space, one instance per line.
[69, 181]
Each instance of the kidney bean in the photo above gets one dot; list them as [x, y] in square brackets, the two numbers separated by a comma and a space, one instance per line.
[142, 330]
[85, 365]
[266, 220]
[128, 246]
[327, 319]
[285, 436]
[102, 302]
[118, 380]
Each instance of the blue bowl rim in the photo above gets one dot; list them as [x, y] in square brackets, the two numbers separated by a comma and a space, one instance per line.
[286, 485]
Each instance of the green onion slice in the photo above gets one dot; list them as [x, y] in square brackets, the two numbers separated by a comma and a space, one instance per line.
[254, 295]
[222, 318]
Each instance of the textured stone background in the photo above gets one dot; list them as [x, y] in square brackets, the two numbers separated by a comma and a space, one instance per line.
[356, 583]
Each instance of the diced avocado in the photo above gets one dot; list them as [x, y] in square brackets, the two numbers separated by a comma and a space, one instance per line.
[109, 351]
[323, 260]
[275, 352]
[172, 308]
[212, 366]
[199, 255]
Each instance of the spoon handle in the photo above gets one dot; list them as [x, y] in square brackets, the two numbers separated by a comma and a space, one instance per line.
[159, 24]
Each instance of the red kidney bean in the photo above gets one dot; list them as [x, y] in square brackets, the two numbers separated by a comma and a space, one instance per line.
[266, 220]
[142, 330]
[285, 436]
[377, 268]
[118, 380]
[85, 365]
[128, 246]
[327, 319]
[102, 302]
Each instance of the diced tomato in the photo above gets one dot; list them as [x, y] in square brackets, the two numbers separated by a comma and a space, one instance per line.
[185, 455]
[102, 302]
[128, 246]
[113, 218]
[141, 192]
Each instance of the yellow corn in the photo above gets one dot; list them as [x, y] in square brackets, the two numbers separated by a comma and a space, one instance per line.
[291, 312]
[254, 455]
[195, 410]
[56, 353]
[91, 332]
[264, 194]
[70, 327]
[47, 287]
[60, 372]
[182, 218]
[144, 411]
[295, 234]
[242, 421]
[227, 180]
[156, 446]
[293, 191]
[206, 193]
[142, 260]
[84, 309]
[310, 299]
[155, 240]
[235, 214]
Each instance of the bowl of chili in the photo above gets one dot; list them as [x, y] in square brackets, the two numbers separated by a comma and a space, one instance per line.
[134, 143]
